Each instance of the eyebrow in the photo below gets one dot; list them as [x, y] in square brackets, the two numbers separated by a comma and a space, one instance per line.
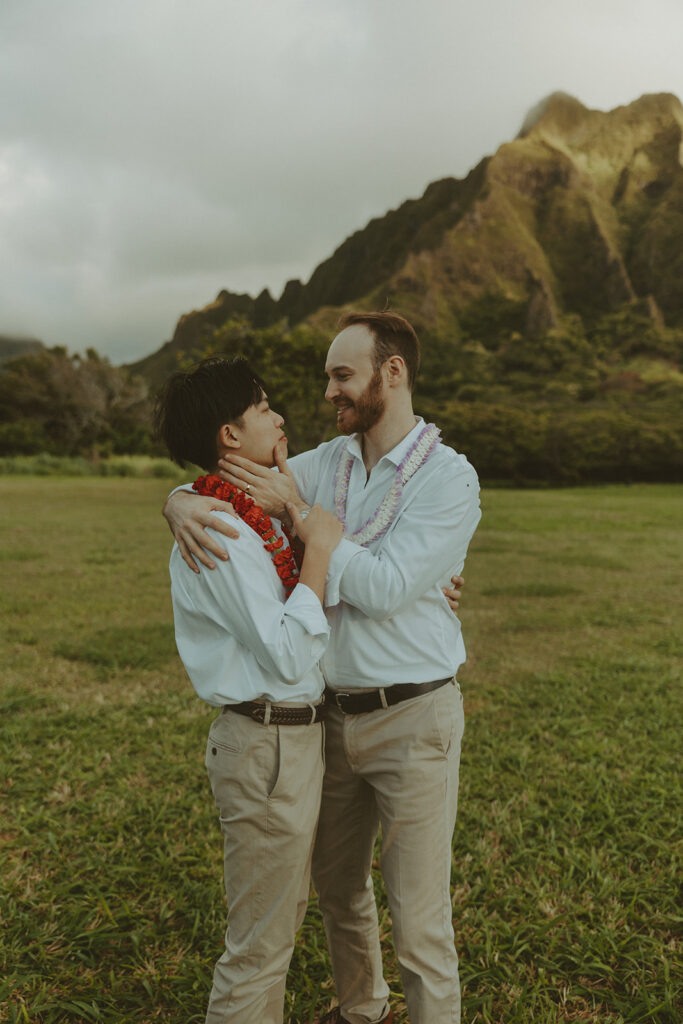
[336, 369]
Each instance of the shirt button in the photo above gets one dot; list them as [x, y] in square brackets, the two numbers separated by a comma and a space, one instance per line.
[213, 750]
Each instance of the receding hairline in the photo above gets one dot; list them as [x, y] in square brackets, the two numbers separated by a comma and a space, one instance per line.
[347, 366]
[392, 335]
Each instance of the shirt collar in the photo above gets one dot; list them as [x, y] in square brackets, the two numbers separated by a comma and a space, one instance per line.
[397, 453]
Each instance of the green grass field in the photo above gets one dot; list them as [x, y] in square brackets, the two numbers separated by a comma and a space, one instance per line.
[564, 857]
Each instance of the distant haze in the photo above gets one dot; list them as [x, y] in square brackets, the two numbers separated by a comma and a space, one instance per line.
[154, 153]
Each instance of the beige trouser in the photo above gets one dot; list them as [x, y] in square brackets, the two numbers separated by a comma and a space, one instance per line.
[266, 782]
[398, 768]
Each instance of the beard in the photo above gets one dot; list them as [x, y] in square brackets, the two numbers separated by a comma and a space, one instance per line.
[367, 410]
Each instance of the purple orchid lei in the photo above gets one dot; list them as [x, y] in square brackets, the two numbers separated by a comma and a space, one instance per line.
[378, 523]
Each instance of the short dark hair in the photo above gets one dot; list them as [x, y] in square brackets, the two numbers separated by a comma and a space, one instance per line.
[192, 406]
[393, 336]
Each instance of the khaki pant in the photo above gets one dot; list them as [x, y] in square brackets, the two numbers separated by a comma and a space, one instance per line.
[266, 782]
[399, 768]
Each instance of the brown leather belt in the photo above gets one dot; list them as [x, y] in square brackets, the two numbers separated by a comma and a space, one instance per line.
[280, 714]
[385, 697]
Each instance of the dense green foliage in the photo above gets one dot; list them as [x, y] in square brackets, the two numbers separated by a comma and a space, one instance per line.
[564, 873]
[71, 405]
[570, 406]
[575, 404]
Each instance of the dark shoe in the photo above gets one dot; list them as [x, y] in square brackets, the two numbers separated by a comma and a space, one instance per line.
[334, 1017]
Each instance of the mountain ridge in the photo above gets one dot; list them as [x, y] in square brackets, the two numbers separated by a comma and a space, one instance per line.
[13, 346]
[580, 214]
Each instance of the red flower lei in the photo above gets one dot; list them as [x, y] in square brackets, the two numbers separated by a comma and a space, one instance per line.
[254, 516]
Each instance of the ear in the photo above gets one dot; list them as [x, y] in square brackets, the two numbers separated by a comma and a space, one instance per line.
[395, 369]
[227, 438]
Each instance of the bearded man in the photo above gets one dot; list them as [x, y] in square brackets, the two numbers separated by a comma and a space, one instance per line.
[410, 506]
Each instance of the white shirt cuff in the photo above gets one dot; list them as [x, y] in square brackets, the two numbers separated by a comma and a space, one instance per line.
[341, 556]
[304, 607]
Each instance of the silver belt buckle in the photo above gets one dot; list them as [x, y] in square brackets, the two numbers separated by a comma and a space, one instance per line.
[336, 700]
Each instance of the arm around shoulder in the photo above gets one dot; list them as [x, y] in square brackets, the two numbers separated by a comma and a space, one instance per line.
[189, 515]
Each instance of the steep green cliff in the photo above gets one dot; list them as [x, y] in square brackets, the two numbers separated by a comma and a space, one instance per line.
[547, 289]
[581, 214]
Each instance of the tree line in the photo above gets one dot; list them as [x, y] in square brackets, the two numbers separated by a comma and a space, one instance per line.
[65, 404]
[574, 405]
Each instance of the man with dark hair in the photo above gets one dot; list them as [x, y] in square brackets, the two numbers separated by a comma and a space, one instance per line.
[192, 407]
[250, 636]
[410, 506]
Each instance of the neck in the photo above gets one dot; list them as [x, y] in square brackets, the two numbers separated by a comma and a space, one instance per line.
[385, 435]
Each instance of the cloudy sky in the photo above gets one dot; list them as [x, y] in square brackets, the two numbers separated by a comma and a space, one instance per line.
[153, 152]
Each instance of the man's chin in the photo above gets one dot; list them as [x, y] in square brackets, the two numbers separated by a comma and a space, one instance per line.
[347, 423]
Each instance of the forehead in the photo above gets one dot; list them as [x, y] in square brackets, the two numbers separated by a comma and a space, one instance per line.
[352, 347]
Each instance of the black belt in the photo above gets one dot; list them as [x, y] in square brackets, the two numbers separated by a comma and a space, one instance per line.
[280, 714]
[361, 703]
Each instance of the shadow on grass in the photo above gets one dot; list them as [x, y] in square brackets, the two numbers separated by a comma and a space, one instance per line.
[15, 699]
[535, 589]
[121, 647]
[19, 555]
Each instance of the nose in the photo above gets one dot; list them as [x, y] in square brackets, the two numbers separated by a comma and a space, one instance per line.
[278, 420]
[331, 391]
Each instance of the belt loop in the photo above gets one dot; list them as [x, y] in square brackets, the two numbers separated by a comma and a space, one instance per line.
[313, 713]
[266, 716]
[383, 697]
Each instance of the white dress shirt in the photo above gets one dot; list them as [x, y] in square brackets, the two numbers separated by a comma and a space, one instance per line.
[390, 621]
[237, 636]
